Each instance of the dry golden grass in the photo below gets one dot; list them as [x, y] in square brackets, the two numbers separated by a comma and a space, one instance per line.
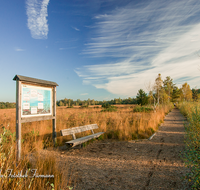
[121, 125]
[43, 165]
[20, 175]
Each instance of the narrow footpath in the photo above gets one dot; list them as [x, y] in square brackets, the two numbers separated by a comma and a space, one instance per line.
[146, 165]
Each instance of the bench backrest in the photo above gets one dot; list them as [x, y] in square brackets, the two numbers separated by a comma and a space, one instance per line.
[80, 129]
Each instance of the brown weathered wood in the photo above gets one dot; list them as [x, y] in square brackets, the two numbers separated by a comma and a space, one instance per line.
[36, 118]
[73, 136]
[83, 139]
[36, 84]
[80, 129]
[18, 120]
[54, 115]
[34, 80]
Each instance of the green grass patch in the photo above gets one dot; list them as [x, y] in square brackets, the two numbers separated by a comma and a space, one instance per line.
[143, 109]
[108, 108]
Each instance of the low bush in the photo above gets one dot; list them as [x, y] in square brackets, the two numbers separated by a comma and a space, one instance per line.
[84, 106]
[143, 109]
[106, 105]
[108, 108]
[70, 106]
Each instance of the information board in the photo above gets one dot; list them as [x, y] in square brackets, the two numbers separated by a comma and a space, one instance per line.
[36, 101]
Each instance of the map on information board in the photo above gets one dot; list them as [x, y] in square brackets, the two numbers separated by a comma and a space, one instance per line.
[36, 101]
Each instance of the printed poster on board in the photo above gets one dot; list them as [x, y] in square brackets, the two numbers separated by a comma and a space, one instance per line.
[36, 101]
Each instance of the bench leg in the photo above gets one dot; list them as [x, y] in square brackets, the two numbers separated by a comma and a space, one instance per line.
[68, 146]
[78, 146]
[74, 147]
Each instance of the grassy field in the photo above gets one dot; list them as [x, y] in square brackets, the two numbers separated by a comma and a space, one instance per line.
[121, 125]
[26, 173]
[191, 155]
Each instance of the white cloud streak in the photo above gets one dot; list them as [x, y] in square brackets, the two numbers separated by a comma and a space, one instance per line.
[151, 38]
[67, 48]
[37, 18]
[84, 94]
[75, 28]
[19, 49]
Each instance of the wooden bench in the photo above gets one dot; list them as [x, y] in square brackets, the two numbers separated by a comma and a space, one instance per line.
[74, 130]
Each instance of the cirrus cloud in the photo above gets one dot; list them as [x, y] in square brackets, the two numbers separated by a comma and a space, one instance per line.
[19, 49]
[37, 18]
[147, 38]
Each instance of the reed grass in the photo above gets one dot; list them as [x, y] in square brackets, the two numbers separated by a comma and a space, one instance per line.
[191, 155]
[32, 172]
[125, 124]
[121, 125]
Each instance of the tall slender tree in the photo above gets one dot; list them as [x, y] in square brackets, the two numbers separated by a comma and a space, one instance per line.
[168, 86]
[176, 94]
[157, 86]
[142, 97]
[186, 92]
[194, 94]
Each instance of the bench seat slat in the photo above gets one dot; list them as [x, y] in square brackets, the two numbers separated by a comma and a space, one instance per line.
[80, 129]
[83, 139]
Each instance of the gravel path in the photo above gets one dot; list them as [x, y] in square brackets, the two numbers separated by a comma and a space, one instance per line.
[147, 164]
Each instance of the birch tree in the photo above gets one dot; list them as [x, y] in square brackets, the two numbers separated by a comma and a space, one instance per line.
[186, 91]
[157, 87]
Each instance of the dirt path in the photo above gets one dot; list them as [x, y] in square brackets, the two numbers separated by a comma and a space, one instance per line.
[144, 165]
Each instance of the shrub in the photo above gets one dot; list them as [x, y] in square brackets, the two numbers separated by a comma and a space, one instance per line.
[142, 109]
[70, 106]
[106, 105]
[108, 108]
[84, 106]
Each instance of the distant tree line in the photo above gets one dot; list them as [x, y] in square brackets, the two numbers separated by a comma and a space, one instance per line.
[4, 105]
[78, 102]
[161, 92]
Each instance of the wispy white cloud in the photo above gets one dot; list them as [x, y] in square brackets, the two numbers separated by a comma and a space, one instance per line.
[19, 49]
[101, 16]
[84, 94]
[67, 41]
[149, 38]
[75, 28]
[37, 18]
[67, 48]
[62, 48]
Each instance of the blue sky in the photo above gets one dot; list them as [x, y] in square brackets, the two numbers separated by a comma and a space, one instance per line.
[99, 49]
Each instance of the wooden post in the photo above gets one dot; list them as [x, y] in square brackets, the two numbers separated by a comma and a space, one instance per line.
[54, 120]
[23, 80]
[18, 120]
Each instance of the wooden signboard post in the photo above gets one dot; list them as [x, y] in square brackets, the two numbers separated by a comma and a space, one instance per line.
[35, 101]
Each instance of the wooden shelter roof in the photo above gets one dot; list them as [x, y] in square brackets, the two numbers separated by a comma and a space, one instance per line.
[34, 80]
